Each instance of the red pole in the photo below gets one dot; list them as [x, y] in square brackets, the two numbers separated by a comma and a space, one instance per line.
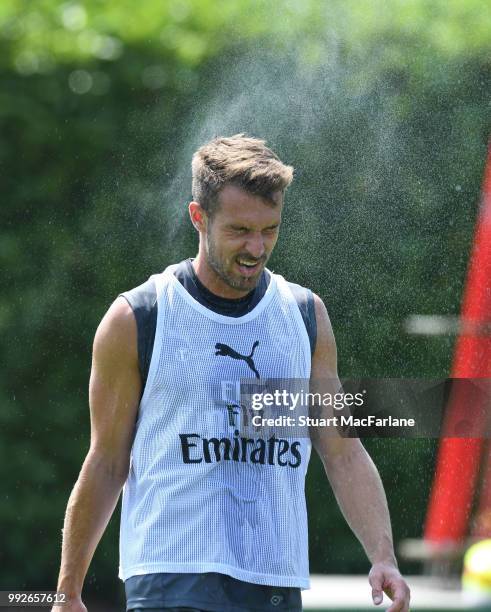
[459, 458]
[482, 522]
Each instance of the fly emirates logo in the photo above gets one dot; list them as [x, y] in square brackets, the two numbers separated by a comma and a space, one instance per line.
[271, 451]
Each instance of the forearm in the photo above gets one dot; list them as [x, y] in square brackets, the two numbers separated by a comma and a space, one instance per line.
[89, 509]
[360, 494]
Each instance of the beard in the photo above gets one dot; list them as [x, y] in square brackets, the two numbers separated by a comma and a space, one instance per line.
[223, 268]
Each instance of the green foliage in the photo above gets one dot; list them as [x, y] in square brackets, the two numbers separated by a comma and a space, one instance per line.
[381, 108]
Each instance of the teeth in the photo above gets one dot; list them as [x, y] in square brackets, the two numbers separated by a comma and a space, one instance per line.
[243, 262]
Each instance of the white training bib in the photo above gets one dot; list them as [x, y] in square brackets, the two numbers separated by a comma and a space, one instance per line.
[199, 496]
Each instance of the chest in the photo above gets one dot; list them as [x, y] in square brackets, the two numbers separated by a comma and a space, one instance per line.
[193, 348]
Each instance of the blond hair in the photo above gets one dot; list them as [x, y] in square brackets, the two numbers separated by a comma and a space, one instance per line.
[238, 160]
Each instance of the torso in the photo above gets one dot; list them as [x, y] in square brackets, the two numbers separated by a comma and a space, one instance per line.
[233, 309]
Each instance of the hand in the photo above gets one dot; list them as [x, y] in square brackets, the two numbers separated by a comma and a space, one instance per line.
[74, 604]
[384, 577]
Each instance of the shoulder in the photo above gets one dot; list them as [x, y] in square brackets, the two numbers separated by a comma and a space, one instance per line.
[143, 297]
[116, 335]
[142, 301]
[325, 355]
[321, 314]
[304, 298]
[303, 295]
[117, 321]
[305, 302]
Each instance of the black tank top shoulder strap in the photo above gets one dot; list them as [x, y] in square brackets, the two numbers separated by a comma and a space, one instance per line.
[305, 302]
[143, 302]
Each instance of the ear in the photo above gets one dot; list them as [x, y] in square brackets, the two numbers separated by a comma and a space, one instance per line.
[198, 216]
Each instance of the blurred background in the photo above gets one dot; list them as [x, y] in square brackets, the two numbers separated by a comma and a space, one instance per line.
[381, 106]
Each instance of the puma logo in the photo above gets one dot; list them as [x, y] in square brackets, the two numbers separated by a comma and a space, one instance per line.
[226, 351]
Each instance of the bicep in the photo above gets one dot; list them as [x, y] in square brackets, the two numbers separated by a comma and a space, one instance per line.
[115, 386]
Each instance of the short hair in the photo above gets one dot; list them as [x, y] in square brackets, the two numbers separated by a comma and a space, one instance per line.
[237, 160]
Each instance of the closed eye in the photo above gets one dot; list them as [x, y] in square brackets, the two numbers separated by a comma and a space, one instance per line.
[245, 230]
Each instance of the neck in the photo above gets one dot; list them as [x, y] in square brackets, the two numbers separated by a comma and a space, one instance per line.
[214, 283]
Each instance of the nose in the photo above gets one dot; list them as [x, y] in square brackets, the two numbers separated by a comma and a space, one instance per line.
[255, 245]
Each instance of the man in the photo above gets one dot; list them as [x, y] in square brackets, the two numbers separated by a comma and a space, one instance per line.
[212, 520]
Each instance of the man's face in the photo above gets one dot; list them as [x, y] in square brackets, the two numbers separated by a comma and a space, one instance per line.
[241, 236]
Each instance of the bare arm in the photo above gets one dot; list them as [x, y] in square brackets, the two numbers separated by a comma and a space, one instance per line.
[354, 478]
[114, 393]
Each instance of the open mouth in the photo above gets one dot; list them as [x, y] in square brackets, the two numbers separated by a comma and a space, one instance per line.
[248, 267]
